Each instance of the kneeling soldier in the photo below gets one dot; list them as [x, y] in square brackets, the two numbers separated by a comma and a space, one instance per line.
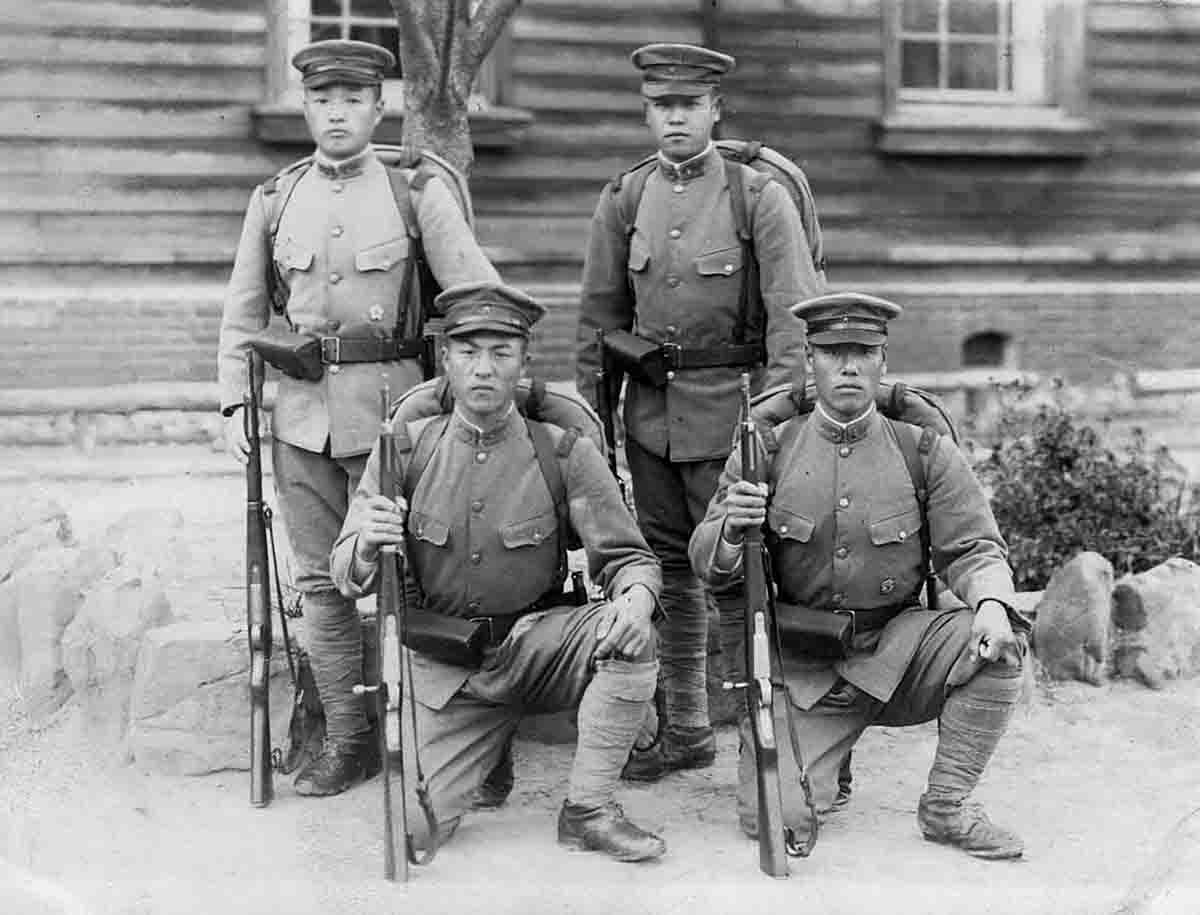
[483, 541]
[845, 529]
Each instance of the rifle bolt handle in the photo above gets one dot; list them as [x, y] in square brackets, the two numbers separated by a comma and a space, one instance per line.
[358, 689]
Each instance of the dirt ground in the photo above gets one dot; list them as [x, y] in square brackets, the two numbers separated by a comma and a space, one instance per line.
[1093, 778]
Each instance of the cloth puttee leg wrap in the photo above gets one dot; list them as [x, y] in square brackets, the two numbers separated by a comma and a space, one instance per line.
[336, 655]
[610, 716]
[973, 719]
[683, 650]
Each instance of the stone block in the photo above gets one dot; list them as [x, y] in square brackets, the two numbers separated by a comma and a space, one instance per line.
[1070, 634]
[1156, 623]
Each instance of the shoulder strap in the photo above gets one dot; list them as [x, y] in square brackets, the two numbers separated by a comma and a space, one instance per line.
[628, 188]
[276, 193]
[750, 305]
[915, 454]
[548, 457]
[410, 307]
[422, 453]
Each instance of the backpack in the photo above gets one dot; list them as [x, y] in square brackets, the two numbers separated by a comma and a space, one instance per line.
[419, 286]
[769, 165]
[899, 404]
[540, 405]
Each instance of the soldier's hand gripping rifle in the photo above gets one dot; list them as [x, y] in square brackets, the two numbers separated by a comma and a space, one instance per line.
[760, 691]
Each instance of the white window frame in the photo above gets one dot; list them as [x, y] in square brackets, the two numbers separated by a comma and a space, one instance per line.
[1044, 114]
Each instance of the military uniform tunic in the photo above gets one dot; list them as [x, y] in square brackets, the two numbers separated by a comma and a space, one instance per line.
[685, 268]
[342, 249]
[843, 523]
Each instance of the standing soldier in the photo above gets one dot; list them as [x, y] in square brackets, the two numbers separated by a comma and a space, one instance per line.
[675, 273]
[851, 539]
[340, 255]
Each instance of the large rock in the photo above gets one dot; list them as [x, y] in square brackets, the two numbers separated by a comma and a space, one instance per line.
[1070, 634]
[27, 527]
[41, 599]
[100, 646]
[151, 540]
[1156, 623]
[190, 708]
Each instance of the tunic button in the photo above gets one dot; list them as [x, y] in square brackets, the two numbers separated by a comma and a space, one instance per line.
[729, 268]
[672, 281]
[480, 457]
[678, 188]
[477, 506]
[334, 369]
[476, 558]
[335, 278]
[783, 528]
[844, 502]
[336, 231]
[844, 451]
[473, 605]
[675, 233]
[537, 536]
[903, 535]
[842, 552]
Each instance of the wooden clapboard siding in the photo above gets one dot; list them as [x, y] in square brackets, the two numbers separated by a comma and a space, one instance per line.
[127, 155]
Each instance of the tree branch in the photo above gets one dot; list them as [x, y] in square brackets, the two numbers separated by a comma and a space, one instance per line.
[419, 57]
[489, 21]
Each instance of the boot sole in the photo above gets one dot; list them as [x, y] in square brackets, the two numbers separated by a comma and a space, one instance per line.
[667, 770]
[984, 854]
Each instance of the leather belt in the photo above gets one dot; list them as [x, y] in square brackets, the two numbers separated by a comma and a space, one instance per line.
[875, 618]
[498, 627]
[711, 357]
[339, 350]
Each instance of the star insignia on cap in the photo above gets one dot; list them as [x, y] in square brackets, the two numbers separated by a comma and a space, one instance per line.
[376, 313]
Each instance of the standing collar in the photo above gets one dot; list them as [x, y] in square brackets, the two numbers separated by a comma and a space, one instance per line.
[852, 431]
[688, 168]
[476, 435]
[343, 168]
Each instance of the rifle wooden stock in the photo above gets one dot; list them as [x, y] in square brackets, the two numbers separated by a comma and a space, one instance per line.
[772, 843]
[605, 407]
[258, 599]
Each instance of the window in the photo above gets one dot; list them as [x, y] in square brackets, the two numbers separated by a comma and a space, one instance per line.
[986, 77]
[990, 349]
[294, 23]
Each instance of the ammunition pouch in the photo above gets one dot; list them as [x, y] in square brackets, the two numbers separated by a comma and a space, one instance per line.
[304, 355]
[655, 364]
[813, 632]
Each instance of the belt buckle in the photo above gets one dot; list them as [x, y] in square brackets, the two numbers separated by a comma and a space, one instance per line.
[491, 630]
[671, 355]
[331, 350]
[853, 618]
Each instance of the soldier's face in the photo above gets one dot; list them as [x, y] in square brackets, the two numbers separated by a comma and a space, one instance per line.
[342, 118]
[682, 124]
[847, 376]
[483, 370]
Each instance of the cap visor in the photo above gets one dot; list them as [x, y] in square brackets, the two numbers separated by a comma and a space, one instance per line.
[848, 335]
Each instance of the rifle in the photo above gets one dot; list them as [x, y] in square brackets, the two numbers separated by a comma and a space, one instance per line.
[258, 598]
[391, 601]
[605, 408]
[772, 834]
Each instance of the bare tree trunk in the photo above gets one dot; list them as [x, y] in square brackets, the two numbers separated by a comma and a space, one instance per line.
[442, 44]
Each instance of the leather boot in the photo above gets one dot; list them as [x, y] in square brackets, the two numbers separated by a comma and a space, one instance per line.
[605, 829]
[967, 827]
[341, 764]
[677, 748]
[498, 785]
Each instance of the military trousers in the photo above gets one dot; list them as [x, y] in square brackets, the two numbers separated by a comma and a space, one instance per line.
[827, 732]
[314, 492]
[671, 498]
[545, 664]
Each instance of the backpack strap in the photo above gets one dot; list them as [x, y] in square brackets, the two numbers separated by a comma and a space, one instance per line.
[549, 456]
[916, 453]
[750, 305]
[628, 188]
[427, 442]
[276, 192]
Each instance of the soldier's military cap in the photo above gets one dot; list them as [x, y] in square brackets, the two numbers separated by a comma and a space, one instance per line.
[357, 63]
[680, 69]
[471, 308]
[847, 317]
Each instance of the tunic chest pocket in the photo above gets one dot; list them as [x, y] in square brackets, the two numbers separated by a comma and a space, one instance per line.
[897, 528]
[530, 532]
[291, 255]
[639, 254]
[787, 525]
[428, 529]
[725, 262]
[384, 256]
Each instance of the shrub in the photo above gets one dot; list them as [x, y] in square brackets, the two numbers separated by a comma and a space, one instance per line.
[1057, 490]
